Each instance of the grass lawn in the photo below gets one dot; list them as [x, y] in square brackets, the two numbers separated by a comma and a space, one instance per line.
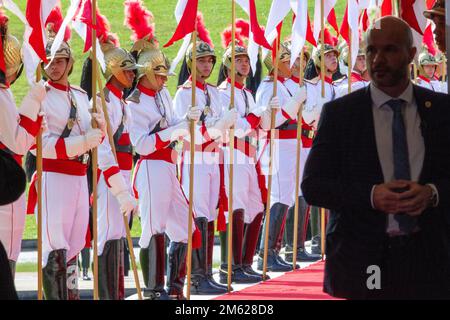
[217, 16]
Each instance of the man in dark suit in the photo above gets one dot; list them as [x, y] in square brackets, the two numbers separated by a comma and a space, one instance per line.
[381, 163]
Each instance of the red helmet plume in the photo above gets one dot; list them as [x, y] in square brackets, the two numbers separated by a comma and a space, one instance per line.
[202, 32]
[139, 20]
[227, 35]
[54, 22]
[244, 26]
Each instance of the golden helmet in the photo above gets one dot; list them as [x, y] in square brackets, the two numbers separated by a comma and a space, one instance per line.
[152, 62]
[426, 59]
[344, 54]
[307, 55]
[326, 49]
[203, 49]
[239, 51]
[117, 60]
[12, 54]
[285, 56]
[63, 51]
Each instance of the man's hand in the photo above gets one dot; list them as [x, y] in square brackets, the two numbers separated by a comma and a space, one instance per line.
[414, 201]
[386, 196]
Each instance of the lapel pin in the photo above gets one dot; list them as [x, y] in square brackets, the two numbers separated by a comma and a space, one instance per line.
[427, 104]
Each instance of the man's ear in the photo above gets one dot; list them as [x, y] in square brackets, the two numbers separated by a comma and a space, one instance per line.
[412, 54]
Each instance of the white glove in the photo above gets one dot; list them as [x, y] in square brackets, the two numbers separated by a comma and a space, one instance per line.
[31, 103]
[174, 132]
[293, 104]
[120, 190]
[99, 117]
[266, 118]
[218, 128]
[76, 146]
[312, 110]
[194, 113]
[274, 103]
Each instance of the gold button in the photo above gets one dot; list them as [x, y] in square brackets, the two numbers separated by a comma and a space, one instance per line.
[428, 104]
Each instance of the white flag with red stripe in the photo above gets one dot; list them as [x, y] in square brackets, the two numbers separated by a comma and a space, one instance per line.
[351, 22]
[256, 34]
[412, 13]
[82, 24]
[185, 14]
[299, 28]
[278, 11]
[35, 40]
[328, 6]
[11, 6]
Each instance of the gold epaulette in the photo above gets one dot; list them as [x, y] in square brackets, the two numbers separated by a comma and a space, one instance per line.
[338, 81]
[135, 96]
[78, 88]
[186, 85]
[223, 85]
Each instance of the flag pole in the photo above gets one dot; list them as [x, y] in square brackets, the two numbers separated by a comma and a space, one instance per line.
[113, 150]
[349, 60]
[297, 169]
[191, 165]
[94, 151]
[231, 146]
[322, 74]
[271, 137]
[39, 202]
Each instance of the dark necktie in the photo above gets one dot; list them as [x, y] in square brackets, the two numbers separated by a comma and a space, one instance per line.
[402, 169]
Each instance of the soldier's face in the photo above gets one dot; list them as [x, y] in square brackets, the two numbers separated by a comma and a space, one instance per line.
[331, 61]
[243, 65]
[56, 68]
[388, 58]
[429, 70]
[129, 75]
[160, 81]
[205, 66]
[360, 64]
[439, 32]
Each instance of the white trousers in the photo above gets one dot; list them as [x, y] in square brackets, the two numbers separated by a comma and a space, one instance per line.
[206, 183]
[246, 192]
[283, 180]
[109, 218]
[12, 223]
[65, 213]
[163, 206]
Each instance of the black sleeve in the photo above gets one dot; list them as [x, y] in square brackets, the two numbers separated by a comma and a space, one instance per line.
[323, 184]
[7, 289]
[12, 179]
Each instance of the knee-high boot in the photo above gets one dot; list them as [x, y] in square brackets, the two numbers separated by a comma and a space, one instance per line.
[54, 276]
[176, 270]
[108, 271]
[251, 235]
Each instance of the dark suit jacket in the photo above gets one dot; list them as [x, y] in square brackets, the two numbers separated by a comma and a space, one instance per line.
[342, 168]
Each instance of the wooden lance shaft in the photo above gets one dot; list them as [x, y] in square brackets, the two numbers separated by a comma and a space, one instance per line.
[231, 147]
[269, 186]
[191, 165]
[349, 60]
[322, 52]
[94, 151]
[39, 202]
[125, 220]
[297, 169]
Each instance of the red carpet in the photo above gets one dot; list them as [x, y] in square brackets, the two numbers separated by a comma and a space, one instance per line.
[303, 284]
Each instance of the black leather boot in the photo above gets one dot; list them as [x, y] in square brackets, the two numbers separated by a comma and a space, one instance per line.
[72, 279]
[152, 262]
[176, 271]
[277, 218]
[122, 269]
[85, 261]
[251, 235]
[12, 266]
[210, 257]
[238, 275]
[199, 278]
[108, 271]
[54, 276]
[302, 255]
[316, 244]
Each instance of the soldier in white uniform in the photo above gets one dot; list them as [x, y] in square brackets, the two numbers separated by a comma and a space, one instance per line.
[311, 116]
[66, 146]
[426, 71]
[114, 187]
[18, 129]
[162, 204]
[359, 69]
[214, 120]
[247, 195]
[292, 84]
[285, 145]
